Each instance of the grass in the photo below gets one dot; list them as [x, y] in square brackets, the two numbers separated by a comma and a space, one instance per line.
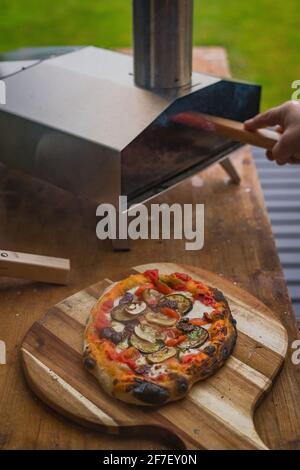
[262, 37]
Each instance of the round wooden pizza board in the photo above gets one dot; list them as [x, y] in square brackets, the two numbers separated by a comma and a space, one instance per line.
[217, 413]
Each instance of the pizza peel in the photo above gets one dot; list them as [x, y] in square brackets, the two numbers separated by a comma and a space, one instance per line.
[263, 138]
[217, 413]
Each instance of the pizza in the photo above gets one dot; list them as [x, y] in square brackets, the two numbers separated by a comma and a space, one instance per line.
[151, 336]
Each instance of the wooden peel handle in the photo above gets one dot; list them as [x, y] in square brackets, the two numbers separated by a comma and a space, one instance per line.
[34, 267]
[264, 138]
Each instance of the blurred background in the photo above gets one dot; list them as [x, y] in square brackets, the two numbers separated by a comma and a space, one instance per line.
[261, 36]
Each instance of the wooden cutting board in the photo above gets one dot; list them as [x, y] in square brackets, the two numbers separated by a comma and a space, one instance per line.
[217, 414]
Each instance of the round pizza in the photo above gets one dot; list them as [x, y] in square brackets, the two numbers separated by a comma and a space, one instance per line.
[151, 336]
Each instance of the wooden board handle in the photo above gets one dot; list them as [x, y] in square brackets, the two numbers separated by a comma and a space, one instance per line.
[34, 267]
[264, 138]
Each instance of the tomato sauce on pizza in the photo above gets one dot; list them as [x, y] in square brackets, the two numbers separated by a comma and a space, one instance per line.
[151, 336]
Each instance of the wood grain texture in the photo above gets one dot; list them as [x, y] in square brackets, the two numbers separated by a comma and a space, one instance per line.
[238, 245]
[34, 267]
[264, 138]
[52, 359]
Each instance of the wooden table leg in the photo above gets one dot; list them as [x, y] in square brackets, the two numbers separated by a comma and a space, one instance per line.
[228, 166]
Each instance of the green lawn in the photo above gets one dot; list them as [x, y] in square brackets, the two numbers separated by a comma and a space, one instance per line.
[261, 36]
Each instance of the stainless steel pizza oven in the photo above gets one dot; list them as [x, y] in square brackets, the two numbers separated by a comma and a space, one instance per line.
[98, 123]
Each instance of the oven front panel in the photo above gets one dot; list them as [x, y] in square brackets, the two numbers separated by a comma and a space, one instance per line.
[168, 150]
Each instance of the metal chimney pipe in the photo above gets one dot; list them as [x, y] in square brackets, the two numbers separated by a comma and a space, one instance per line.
[163, 43]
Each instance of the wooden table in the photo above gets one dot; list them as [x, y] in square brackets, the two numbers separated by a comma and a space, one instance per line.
[37, 218]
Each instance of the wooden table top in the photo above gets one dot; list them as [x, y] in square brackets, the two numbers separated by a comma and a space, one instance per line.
[38, 218]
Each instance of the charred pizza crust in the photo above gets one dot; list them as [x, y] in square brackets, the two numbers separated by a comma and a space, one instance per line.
[150, 337]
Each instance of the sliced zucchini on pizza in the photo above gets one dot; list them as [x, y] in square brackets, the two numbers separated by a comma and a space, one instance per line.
[178, 302]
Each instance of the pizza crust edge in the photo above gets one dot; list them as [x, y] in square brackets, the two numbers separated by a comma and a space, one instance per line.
[146, 393]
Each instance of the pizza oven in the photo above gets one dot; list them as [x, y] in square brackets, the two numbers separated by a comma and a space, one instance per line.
[98, 122]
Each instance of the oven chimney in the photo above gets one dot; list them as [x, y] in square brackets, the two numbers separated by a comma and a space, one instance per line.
[163, 43]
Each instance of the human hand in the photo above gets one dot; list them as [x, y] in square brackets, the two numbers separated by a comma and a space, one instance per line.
[287, 119]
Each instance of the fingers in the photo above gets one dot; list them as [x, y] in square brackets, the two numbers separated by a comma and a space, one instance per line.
[269, 155]
[283, 151]
[286, 118]
[292, 160]
[270, 118]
